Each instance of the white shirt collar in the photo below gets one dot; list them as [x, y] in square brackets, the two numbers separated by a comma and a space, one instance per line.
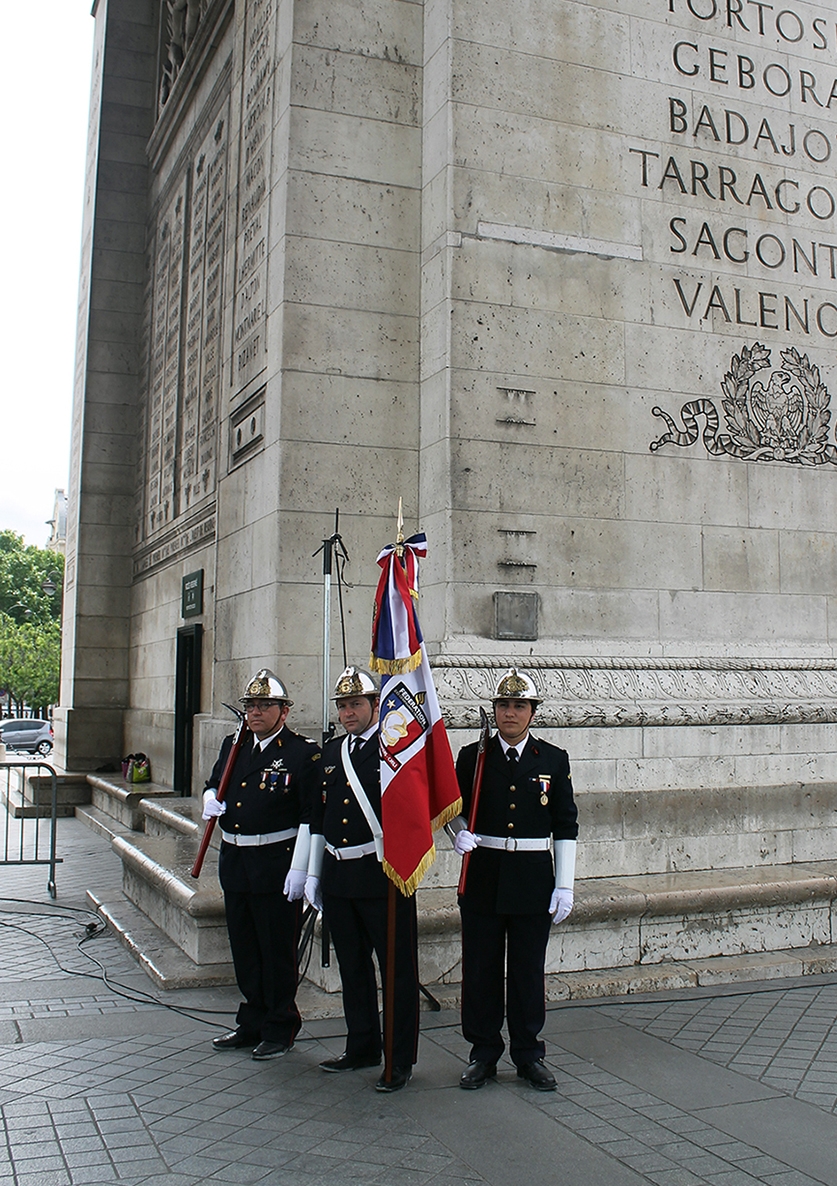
[359, 738]
[521, 745]
[261, 744]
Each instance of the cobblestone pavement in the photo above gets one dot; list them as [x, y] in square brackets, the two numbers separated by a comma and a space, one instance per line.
[104, 1079]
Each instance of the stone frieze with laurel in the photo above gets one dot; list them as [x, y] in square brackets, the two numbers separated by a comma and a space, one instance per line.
[597, 692]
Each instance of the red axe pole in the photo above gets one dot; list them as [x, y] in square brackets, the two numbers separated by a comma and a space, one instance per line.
[476, 787]
[241, 733]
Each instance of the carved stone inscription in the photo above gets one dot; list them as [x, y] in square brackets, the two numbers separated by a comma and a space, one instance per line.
[182, 367]
[750, 163]
[164, 361]
[201, 381]
[248, 329]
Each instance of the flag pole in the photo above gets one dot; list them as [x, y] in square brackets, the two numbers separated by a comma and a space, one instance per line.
[389, 987]
[333, 544]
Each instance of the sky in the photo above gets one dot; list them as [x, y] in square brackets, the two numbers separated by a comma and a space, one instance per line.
[45, 90]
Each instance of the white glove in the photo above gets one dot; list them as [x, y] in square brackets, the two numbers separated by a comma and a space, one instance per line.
[312, 891]
[211, 807]
[465, 841]
[295, 884]
[560, 904]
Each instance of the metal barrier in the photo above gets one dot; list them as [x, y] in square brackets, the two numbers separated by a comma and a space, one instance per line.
[29, 824]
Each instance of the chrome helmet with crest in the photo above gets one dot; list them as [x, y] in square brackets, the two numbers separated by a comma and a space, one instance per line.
[354, 681]
[266, 686]
[516, 685]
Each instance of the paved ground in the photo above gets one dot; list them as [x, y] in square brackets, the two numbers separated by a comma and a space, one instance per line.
[105, 1080]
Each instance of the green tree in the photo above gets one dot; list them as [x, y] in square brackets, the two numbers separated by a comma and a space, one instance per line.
[24, 573]
[31, 588]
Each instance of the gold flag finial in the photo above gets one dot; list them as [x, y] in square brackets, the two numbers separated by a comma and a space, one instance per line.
[399, 538]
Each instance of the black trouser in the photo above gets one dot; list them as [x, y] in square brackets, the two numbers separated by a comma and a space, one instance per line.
[503, 957]
[264, 934]
[358, 927]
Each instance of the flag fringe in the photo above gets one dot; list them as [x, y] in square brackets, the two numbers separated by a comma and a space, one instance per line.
[451, 811]
[409, 887]
[395, 666]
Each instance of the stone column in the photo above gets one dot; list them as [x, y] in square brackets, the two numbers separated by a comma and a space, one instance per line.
[94, 676]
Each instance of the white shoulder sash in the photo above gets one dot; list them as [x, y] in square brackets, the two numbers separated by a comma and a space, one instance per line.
[363, 802]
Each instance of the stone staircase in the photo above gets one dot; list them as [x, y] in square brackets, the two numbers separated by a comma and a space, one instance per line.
[26, 790]
[631, 930]
[172, 923]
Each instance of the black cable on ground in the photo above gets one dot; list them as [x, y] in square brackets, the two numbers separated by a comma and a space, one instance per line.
[141, 997]
[136, 995]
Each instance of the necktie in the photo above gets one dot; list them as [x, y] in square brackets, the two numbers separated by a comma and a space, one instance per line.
[511, 755]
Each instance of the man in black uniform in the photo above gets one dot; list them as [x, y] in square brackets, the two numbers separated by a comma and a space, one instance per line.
[346, 881]
[264, 851]
[512, 894]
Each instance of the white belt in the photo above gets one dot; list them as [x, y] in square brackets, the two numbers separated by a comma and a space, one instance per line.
[516, 843]
[264, 838]
[353, 852]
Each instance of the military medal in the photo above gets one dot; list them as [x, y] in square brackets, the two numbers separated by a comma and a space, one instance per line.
[544, 781]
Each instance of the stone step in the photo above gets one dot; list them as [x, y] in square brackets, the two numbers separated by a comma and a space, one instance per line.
[174, 814]
[675, 975]
[659, 918]
[648, 926]
[156, 878]
[120, 799]
[100, 822]
[170, 968]
[157, 954]
[27, 794]
[638, 933]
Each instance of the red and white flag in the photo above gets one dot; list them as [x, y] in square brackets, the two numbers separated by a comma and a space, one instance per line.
[419, 791]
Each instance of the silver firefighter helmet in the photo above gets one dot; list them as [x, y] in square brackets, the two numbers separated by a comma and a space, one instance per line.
[516, 685]
[354, 681]
[265, 686]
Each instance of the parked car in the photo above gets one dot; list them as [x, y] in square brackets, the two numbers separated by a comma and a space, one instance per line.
[27, 734]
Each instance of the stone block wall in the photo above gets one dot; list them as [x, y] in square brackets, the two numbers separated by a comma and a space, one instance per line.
[559, 275]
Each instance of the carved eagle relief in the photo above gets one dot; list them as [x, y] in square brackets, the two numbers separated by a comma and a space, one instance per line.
[786, 418]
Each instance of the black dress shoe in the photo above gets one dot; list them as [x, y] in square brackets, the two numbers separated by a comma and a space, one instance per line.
[401, 1076]
[537, 1074]
[476, 1074]
[234, 1040]
[271, 1050]
[350, 1062]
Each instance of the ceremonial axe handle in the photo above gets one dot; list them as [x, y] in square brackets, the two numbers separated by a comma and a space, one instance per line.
[241, 733]
[476, 787]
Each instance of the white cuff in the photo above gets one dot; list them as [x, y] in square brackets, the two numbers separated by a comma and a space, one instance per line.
[457, 824]
[564, 864]
[299, 860]
[315, 856]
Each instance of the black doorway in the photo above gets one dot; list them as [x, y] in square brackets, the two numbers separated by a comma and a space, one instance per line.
[187, 702]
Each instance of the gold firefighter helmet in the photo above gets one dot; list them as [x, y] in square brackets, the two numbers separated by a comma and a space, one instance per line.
[516, 685]
[266, 686]
[354, 681]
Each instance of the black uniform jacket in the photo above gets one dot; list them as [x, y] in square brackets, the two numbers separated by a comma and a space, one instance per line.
[336, 814]
[269, 791]
[534, 798]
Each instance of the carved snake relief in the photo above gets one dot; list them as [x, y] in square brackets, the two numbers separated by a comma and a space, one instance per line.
[689, 413]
